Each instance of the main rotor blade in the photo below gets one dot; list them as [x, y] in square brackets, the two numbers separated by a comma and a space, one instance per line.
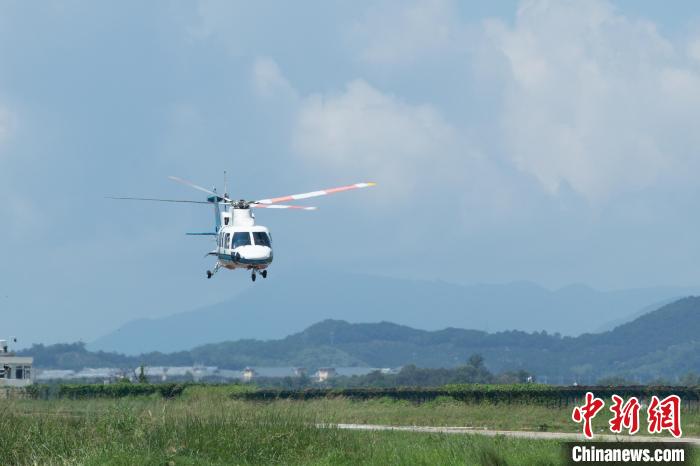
[281, 206]
[192, 185]
[323, 192]
[154, 199]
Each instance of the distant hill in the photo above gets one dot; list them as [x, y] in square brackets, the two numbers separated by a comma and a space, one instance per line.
[661, 344]
[281, 305]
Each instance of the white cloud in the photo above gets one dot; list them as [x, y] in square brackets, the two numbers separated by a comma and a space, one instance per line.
[362, 130]
[590, 99]
[594, 99]
[268, 80]
[240, 26]
[694, 49]
[420, 160]
[399, 32]
[213, 16]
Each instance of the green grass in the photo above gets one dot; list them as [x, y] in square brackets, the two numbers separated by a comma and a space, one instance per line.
[445, 411]
[205, 426]
[213, 430]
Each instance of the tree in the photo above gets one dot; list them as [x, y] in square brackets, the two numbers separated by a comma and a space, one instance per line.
[476, 361]
[690, 379]
[520, 376]
[615, 381]
[142, 375]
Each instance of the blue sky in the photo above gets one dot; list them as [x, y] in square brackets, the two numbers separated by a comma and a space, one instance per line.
[553, 142]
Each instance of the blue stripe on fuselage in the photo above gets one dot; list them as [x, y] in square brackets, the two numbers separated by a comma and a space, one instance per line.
[242, 260]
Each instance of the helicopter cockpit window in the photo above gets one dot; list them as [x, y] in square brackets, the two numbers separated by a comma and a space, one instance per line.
[228, 237]
[261, 238]
[242, 238]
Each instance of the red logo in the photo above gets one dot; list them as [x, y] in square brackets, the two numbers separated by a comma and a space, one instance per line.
[665, 415]
[625, 415]
[587, 412]
[661, 415]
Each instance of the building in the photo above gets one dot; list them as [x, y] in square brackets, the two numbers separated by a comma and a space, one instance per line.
[248, 374]
[325, 373]
[163, 373]
[44, 375]
[15, 371]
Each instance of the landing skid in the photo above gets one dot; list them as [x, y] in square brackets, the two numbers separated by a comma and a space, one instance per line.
[210, 273]
[253, 275]
[263, 273]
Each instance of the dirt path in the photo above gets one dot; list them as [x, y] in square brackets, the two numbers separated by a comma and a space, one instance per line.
[513, 433]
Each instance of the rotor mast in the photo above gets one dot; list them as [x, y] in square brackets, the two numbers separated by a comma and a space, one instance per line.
[241, 214]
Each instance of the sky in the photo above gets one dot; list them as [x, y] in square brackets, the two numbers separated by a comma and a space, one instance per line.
[554, 142]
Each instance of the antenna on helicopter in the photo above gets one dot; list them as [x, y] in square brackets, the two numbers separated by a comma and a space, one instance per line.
[225, 185]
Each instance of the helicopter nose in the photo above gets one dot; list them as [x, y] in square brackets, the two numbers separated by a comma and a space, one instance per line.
[255, 253]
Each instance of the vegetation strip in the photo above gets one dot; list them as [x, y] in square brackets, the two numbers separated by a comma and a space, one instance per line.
[509, 433]
[116, 390]
[519, 393]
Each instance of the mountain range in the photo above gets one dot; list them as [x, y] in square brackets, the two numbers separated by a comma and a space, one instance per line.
[285, 304]
[664, 343]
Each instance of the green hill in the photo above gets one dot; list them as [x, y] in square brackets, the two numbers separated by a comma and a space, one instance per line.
[661, 344]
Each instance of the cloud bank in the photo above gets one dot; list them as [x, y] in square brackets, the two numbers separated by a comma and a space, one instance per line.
[589, 99]
[362, 130]
[594, 99]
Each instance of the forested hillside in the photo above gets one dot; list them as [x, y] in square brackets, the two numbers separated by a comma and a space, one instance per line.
[661, 344]
[291, 303]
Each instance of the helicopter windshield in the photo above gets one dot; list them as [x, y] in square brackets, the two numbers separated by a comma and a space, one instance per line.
[241, 238]
[261, 238]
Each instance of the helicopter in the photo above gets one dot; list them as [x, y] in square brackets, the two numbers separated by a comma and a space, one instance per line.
[240, 243]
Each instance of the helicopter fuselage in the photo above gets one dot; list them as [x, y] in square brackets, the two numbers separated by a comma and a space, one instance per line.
[240, 243]
[244, 247]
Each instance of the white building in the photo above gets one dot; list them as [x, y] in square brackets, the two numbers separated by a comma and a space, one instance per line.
[164, 373]
[101, 373]
[325, 373]
[15, 371]
[53, 374]
[248, 374]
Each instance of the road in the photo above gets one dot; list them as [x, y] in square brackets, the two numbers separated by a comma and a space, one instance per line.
[512, 433]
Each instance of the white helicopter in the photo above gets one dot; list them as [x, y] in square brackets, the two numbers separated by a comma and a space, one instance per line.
[240, 243]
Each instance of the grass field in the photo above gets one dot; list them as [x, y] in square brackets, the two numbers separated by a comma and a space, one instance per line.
[205, 426]
[445, 411]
